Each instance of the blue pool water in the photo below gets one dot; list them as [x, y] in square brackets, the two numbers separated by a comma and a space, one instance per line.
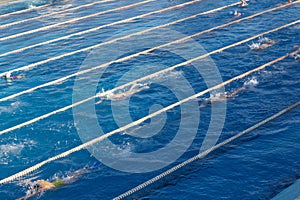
[259, 165]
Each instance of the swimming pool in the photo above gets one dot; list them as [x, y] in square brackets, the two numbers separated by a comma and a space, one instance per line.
[61, 41]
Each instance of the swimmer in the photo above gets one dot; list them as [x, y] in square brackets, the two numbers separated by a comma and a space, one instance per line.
[254, 46]
[296, 56]
[262, 44]
[223, 97]
[243, 3]
[296, 47]
[266, 45]
[40, 186]
[266, 42]
[237, 14]
[135, 88]
[8, 76]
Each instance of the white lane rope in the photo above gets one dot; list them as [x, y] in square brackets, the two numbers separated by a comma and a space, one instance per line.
[72, 21]
[204, 154]
[137, 122]
[24, 10]
[112, 24]
[139, 80]
[61, 80]
[54, 13]
[33, 65]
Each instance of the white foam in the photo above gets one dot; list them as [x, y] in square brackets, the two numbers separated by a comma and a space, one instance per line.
[32, 6]
[216, 95]
[297, 56]
[263, 43]
[168, 75]
[55, 9]
[254, 46]
[297, 26]
[8, 151]
[13, 150]
[251, 82]
[264, 39]
[11, 108]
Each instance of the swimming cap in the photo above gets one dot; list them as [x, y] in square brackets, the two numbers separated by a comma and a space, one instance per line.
[58, 183]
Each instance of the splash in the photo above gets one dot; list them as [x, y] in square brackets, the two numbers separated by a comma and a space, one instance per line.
[167, 76]
[296, 26]
[264, 40]
[217, 95]
[296, 56]
[32, 189]
[254, 46]
[56, 12]
[251, 82]
[263, 43]
[11, 149]
[11, 108]
[9, 152]
[32, 6]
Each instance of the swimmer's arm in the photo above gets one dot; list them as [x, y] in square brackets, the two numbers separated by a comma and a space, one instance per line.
[100, 101]
[296, 47]
[231, 95]
[20, 76]
[132, 87]
[234, 93]
[203, 104]
[241, 89]
[29, 196]
[80, 172]
[137, 91]
[142, 87]
[211, 100]
[205, 101]
[294, 53]
[134, 91]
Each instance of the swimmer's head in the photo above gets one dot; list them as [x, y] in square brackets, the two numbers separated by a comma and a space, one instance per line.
[7, 75]
[237, 14]
[34, 186]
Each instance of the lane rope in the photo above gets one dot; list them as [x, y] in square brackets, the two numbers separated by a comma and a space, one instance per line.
[137, 122]
[72, 21]
[204, 154]
[24, 10]
[61, 80]
[128, 20]
[141, 79]
[54, 13]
